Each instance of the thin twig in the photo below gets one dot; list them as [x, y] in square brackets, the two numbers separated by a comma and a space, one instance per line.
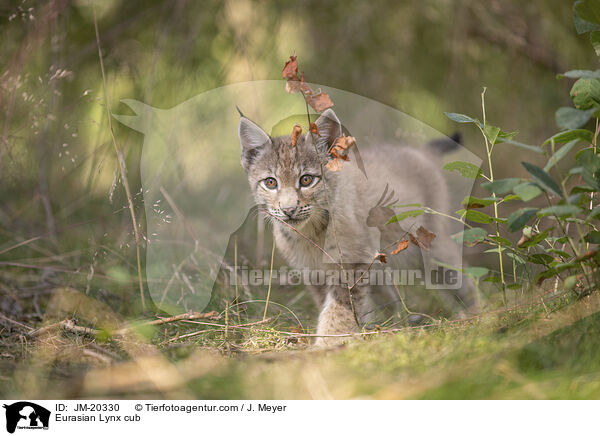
[270, 279]
[184, 316]
[67, 324]
[222, 327]
[12, 321]
[70, 324]
[237, 293]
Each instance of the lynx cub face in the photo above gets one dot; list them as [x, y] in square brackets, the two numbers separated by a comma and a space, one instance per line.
[286, 180]
[287, 183]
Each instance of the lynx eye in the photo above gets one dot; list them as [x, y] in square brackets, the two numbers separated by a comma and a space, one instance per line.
[306, 180]
[270, 183]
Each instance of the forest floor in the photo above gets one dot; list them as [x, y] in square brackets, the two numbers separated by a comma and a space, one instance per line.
[546, 350]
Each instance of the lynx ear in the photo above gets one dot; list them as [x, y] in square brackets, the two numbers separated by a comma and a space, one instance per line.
[252, 138]
[330, 129]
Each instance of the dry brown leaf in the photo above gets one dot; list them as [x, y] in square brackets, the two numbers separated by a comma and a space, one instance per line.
[319, 102]
[334, 164]
[402, 245]
[381, 257]
[338, 150]
[424, 238]
[344, 142]
[336, 154]
[413, 240]
[290, 70]
[296, 134]
[294, 85]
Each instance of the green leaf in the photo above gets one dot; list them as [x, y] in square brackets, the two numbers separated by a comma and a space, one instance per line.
[527, 191]
[562, 152]
[514, 286]
[470, 237]
[470, 202]
[496, 136]
[585, 94]
[540, 258]
[500, 240]
[518, 219]
[571, 118]
[475, 216]
[570, 135]
[590, 162]
[493, 279]
[533, 148]
[592, 237]
[542, 178]
[491, 133]
[536, 239]
[408, 214]
[460, 118]
[561, 253]
[551, 272]
[510, 197]
[560, 267]
[581, 188]
[494, 250]
[501, 186]
[476, 272]
[466, 169]
[595, 212]
[516, 258]
[558, 239]
[407, 205]
[588, 11]
[577, 74]
[561, 210]
[506, 136]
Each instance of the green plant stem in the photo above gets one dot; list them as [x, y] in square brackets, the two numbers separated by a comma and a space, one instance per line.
[488, 150]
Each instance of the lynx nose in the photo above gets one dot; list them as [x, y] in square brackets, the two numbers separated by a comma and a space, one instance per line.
[289, 211]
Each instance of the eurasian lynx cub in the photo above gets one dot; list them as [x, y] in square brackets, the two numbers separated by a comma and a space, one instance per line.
[339, 214]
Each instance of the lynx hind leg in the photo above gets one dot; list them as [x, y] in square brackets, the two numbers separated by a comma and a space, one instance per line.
[337, 318]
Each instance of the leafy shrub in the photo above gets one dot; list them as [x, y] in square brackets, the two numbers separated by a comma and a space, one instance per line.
[561, 238]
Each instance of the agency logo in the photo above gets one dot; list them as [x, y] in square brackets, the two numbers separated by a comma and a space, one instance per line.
[26, 415]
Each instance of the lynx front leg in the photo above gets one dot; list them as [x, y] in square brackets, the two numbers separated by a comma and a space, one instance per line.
[337, 318]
